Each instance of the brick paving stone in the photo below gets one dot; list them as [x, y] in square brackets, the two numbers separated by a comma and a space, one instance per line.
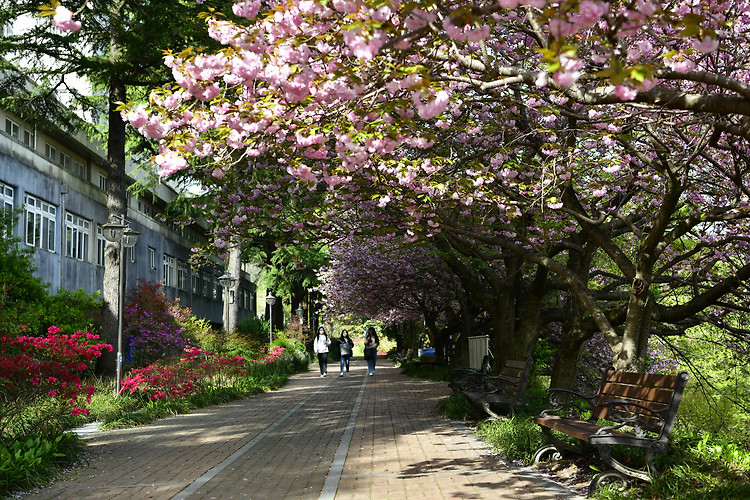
[303, 442]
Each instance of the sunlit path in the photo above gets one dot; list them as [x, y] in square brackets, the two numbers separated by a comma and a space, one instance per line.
[317, 438]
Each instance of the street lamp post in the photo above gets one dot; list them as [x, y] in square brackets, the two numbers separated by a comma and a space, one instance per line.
[300, 312]
[270, 300]
[122, 234]
[226, 281]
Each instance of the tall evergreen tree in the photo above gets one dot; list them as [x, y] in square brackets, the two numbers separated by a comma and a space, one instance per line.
[118, 55]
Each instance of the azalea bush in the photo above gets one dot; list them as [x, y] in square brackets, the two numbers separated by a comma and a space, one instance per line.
[198, 371]
[193, 371]
[41, 380]
[155, 325]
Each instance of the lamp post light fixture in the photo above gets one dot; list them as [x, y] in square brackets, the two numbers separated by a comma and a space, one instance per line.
[270, 300]
[300, 312]
[122, 234]
[226, 280]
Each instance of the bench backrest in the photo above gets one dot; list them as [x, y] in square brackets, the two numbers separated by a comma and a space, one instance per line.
[516, 373]
[660, 393]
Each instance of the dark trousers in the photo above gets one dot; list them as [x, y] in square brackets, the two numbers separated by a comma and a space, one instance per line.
[323, 362]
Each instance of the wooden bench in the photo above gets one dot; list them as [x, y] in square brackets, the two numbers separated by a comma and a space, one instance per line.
[466, 378]
[639, 410]
[507, 388]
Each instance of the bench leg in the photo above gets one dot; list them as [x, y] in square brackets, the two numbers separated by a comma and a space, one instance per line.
[493, 415]
[563, 446]
[607, 478]
[539, 454]
[605, 454]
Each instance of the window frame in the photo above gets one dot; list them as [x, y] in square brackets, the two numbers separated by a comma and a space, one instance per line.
[42, 216]
[169, 270]
[77, 237]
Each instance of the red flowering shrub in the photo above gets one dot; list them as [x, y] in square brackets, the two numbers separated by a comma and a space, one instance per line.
[40, 379]
[193, 371]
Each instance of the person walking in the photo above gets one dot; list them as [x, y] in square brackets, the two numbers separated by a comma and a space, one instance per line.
[320, 346]
[346, 344]
[371, 349]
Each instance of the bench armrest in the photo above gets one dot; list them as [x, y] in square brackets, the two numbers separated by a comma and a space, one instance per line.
[500, 385]
[467, 378]
[642, 418]
[568, 403]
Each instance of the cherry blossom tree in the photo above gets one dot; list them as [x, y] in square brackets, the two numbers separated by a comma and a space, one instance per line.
[600, 142]
[389, 280]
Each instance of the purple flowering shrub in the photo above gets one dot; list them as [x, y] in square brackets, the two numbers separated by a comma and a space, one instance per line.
[153, 324]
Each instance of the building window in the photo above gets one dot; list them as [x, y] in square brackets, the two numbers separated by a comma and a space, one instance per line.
[65, 161]
[78, 169]
[6, 206]
[169, 270]
[151, 258]
[102, 182]
[12, 129]
[193, 281]
[50, 152]
[182, 275]
[101, 244]
[28, 138]
[6, 197]
[132, 254]
[39, 218]
[206, 284]
[76, 237]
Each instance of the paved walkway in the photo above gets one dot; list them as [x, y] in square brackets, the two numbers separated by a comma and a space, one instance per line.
[356, 437]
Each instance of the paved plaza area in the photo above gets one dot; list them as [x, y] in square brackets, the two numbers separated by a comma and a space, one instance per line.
[356, 437]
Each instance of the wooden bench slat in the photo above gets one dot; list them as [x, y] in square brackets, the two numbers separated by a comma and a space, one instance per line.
[642, 395]
[647, 394]
[643, 379]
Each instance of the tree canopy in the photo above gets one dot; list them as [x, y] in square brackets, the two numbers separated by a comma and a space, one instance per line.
[592, 147]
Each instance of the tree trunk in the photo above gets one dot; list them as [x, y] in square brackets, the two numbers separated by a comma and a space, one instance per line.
[632, 353]
[565, 365]
[116, 201]
[234, 268]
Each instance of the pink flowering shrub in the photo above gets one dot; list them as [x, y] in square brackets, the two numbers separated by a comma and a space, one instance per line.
[197, 370]
[192, 372]
[40, 379]
[272, 355]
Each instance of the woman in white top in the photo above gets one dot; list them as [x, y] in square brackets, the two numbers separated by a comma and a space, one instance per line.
[320, 346]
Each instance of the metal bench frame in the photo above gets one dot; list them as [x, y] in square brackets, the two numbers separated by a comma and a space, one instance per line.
[507, 388]
[646, 404]
[468, 378]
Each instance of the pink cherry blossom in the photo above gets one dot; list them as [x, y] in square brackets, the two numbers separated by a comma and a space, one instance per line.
[63, 20]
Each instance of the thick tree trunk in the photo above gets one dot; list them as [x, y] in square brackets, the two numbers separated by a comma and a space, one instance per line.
[117, 211]
[234, 267]
[565, 365]
[632, 353]
[116, 204]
